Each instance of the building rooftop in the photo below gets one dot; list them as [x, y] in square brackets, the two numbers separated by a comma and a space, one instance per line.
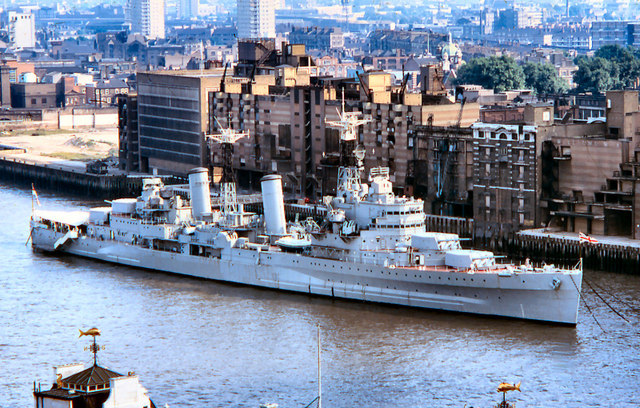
[193, 73]
[60, 393]
[94, 375]
[111, 84]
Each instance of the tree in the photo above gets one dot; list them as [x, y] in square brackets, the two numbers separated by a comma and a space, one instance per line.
[596, 74]
[498, 73]
[628, 65]
[543, 78]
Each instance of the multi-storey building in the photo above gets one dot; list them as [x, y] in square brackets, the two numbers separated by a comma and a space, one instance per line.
[146, 17]
[575, 38]
[285, 112]
[70, 94]
[333, 67]
[22, 29]
[104, 93]
[33, 95]
[128, 140]
[504, 177]
[411, 42]
[487, 21]
[590, 106]
[520, 17]
[573, 176]
[172, 119]
[317, 38]
[287, 124]
[623, 33]
[256, 19]
[387, 60]
[440, 169]
[188, 9]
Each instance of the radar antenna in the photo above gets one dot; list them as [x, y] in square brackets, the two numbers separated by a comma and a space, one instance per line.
[227, 137]
[347, 124]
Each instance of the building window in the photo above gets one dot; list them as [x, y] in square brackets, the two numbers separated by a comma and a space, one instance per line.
[33, 101]
[44, 100]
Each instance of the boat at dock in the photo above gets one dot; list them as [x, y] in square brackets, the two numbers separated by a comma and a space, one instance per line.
[372, 245]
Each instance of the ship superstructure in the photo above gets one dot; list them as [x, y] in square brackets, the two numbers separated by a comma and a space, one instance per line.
[372, 246]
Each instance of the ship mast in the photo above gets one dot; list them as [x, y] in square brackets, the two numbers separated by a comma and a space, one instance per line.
[351, 157]
[227, 137]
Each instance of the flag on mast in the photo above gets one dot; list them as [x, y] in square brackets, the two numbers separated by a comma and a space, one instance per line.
[586, 238]
[34, 194]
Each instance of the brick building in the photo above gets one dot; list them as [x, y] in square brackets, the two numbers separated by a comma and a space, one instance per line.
[33, 96]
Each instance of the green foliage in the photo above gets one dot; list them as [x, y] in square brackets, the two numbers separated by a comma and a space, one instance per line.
[498, 73]
[612, 67]
[596, 74]
[627, 62]
[543, 78]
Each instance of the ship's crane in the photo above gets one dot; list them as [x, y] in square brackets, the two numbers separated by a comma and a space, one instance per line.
[227, 137]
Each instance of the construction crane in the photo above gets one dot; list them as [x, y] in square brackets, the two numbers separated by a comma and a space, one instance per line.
[345, 11]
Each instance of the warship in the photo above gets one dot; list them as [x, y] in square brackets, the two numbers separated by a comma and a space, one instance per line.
[372, 245]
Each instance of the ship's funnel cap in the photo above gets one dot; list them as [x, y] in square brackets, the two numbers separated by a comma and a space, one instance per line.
[200, 192]
[273, 203]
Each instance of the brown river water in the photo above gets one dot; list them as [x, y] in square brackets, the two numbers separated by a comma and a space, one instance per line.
[198, 343]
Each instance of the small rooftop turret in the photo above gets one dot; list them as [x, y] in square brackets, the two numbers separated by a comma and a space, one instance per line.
[96, 386]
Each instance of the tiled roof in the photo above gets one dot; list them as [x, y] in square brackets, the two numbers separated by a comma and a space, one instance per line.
[94, 375]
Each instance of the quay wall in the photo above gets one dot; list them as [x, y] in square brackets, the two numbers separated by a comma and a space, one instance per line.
[455, 225]
[560, 250]
[57, 178]
[567, 252]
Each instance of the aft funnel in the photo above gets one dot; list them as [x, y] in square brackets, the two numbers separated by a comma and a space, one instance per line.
[273, 203]
[200, 193]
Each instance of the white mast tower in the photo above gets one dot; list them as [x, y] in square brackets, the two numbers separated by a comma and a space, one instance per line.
[351, 157]
[227, 137]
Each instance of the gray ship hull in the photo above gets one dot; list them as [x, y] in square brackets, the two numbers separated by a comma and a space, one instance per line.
[542, 296]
